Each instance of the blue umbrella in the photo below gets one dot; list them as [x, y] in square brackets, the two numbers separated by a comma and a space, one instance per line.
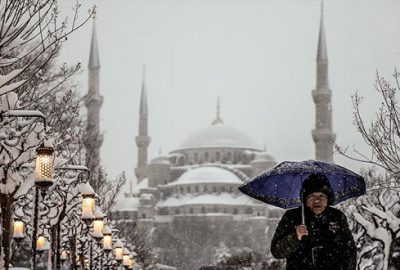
[280, 186]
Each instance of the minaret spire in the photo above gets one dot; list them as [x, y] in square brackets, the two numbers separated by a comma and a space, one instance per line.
[92, 138]
[322, 134]
[218, 119]
[142, 140]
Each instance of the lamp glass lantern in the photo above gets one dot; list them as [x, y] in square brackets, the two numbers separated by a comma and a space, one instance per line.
[88, 206]
[131, 262]
[44, 167]
[98, 225]
[41, 244]
[63, 256]
[18, 229]
[107, 242]
[125, 259]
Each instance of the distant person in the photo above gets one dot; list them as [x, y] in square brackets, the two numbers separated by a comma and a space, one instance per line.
[324, 242]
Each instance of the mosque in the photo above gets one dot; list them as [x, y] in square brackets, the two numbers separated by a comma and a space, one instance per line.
[187, 201]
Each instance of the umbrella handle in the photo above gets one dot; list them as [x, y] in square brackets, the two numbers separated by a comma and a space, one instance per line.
[303, 222]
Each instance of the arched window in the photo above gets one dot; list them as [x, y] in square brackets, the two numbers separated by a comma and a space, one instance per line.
[177, 211]
[235, 211]
[191, 210]
[203, 210]
[206, 156]
[229, 157]
[217, 156]
[196, 157]
[188, 189]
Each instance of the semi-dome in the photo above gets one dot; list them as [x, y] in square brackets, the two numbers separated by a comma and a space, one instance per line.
[127, 203]
[160, 160]
[219, 136]
[207, 174]
[264, 156]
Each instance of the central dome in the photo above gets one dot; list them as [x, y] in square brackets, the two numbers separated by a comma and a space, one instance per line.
[207, 174]
[219, 136]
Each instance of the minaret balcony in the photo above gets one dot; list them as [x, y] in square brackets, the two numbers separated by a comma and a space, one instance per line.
[323, 135]
[142, 141]
[322, 96]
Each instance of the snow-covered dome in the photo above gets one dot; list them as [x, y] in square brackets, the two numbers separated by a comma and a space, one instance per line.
[127, 203]
[207, 174]
[263, 156]
[160, 160]
[219, 136]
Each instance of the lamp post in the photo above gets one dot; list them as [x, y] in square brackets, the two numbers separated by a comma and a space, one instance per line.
[126, 258]
[6, 201]
[88, 210]
[62, 189]
[119, 250]
[98, 227]
[44, 179]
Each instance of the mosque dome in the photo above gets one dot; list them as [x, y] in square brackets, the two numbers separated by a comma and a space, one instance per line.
[207, 174]
[127, 203]
[264, 156]
[160, 160]
[219, 136]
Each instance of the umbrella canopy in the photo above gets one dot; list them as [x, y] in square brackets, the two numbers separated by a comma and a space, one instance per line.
[280, 186]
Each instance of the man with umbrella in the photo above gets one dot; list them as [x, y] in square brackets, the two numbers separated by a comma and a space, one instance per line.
[324, 240]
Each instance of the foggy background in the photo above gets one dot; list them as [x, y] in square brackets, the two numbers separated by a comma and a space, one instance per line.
[257, 56]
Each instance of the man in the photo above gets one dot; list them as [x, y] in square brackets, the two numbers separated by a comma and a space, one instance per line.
[324, 241]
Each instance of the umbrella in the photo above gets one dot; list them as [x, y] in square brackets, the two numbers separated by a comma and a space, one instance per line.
[280, 186]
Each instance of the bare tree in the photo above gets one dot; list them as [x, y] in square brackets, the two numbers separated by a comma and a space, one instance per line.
[31, 34]
[375, 217]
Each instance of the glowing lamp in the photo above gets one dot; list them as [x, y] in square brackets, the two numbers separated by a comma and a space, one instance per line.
[19, 228]
[126, 257]
[41, 244]
[119, 250]
[63, 256]
[44, 167]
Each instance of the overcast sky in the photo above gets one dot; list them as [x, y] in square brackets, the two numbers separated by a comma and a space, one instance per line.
[258, 56]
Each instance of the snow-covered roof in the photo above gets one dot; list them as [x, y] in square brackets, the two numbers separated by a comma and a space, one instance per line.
[207, 174]
[263, 156]
[206, 199]
[127, 203]
[219, 136]
[141, 185]
[160, 160]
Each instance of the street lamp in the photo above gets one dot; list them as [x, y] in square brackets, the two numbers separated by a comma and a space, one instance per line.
[107, 240]
[88, 203]
[44, 179]
[125, 258]
[18, 229]
[63, 256]
[131, 262]
[44, 167]
[119, 250]
[41, 244]
[98, 224]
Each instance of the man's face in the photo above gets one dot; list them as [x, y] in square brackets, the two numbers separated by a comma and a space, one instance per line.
[317, 202]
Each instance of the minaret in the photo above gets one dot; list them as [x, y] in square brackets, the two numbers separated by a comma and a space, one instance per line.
[322, 134]
[92, 138]
[218, 119]
[142, 140]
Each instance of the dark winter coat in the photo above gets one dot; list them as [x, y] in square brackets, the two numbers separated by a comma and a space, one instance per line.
[329, 245]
